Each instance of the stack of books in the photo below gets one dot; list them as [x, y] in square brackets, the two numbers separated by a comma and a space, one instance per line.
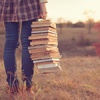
[44, 46]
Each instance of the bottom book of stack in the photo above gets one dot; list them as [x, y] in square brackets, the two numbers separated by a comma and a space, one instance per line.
[48, 65]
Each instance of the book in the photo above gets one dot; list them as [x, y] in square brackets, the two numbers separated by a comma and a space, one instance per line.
[44, 34]
[45, 53]
[45, 56]
[53, 52]
[49, 68]
[46, 42]
[42, 49]
[32, 51]
[43, 24]
[45, 39]
[42, 46]
[42, 37]
[44, 28]
[43, 31]
[45, 60]
[45, 66]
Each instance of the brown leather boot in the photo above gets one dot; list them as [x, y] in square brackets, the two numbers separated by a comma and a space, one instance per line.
[12, 90]
[29, 90]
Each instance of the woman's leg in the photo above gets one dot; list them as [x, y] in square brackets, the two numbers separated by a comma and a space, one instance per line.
[11, 42]
[27, 63]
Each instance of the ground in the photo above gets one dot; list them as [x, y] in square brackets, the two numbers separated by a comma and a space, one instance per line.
[80, 75]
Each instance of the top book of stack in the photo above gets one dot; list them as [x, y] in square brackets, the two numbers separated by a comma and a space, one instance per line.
[41, 24]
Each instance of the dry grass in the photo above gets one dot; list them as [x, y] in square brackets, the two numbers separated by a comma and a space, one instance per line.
[79, 80]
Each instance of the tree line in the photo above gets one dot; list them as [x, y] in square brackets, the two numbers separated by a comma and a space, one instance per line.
[89, 24]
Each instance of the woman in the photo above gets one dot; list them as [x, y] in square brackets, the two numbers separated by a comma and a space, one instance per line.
[12, 12]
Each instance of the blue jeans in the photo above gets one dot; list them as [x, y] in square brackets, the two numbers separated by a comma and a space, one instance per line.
[11, 43]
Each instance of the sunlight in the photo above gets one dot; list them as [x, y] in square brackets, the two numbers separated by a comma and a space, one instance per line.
[72, 10]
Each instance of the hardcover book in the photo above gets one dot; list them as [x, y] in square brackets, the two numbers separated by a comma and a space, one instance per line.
[43, 42]
[43, 24]
[44, 28]
[49, 37]
[49, 68]
[38, 49]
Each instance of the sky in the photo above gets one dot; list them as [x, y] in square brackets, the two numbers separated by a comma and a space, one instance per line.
[73, 10]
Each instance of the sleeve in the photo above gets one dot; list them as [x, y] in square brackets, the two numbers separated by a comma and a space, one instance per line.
[41, 1]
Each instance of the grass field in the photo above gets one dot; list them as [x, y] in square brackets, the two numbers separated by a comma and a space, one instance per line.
[80, 78]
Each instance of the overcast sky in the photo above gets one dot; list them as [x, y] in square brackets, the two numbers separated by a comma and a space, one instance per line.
[72, 10]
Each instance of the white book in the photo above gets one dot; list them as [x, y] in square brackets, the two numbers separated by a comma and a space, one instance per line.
[45, 60]
[45, 31]
[49, 68]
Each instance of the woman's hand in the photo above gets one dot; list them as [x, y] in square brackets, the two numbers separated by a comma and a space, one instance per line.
[43, 12]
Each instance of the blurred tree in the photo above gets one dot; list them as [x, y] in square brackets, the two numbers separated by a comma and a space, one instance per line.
[90, 21]
[60, 23]
[79, 24]
[90, 24]
[69, 24]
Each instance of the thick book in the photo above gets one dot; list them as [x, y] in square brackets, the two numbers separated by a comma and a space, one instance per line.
[53, 39]
[49, 68]
[42, 46]
[41, 53]
[44, 34]
[50, 52]
[44, 29]
[45, 60]
[43, 24]
[42, 37]
[43, 42]
[42, 49]
[45, 56]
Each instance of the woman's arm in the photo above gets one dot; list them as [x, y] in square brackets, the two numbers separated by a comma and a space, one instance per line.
[43, 13]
